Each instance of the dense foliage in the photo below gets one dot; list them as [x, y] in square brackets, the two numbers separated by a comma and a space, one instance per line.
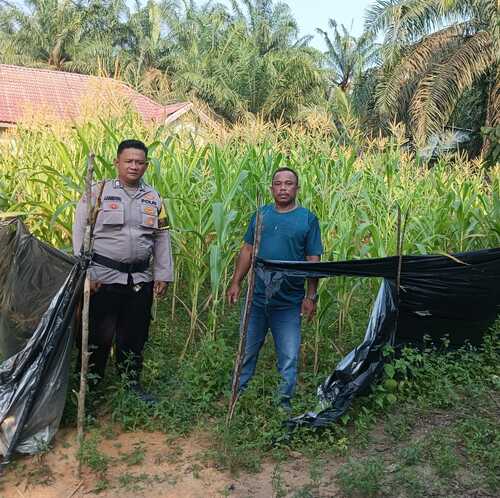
[210, 192]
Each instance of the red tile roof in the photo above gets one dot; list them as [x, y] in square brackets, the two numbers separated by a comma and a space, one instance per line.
[24, 89]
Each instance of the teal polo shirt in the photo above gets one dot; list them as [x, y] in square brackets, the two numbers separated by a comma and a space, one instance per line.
[289, 236]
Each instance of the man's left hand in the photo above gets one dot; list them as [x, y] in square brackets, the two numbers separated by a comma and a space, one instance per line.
[160, 288]
[308, 308]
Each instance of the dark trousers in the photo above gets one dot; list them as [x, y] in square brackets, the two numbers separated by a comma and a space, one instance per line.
[119, 312]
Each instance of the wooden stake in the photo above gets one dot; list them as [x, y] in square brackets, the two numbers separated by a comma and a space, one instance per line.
[246, 315]
[401, 229]
[85, 312]
[400, 242]
[399, 253]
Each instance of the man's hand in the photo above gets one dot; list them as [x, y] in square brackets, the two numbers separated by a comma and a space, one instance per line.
[159, 288]
[94, 286]
[233, 293]
[242, 267]
[308, 308]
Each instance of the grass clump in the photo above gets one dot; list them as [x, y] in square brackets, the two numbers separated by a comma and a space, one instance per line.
[361, 478]
[90, 455]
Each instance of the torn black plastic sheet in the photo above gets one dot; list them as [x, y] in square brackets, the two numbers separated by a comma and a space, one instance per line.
[34, 377]
[457, 296]
[31, 273]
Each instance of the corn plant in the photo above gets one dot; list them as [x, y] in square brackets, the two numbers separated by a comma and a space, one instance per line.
[209, 191]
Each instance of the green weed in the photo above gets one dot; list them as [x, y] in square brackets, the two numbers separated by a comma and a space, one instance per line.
[278, 485]
[136, 456]
[90, 455]
[361, 478]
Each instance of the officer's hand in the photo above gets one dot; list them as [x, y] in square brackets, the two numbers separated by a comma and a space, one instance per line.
[159, 288]
[94, 286]
[233, 293]
[308, 308]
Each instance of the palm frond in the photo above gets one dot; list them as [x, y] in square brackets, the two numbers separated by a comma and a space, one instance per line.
[404, 22]
[494, 101]
[399, 82]
[437, 94]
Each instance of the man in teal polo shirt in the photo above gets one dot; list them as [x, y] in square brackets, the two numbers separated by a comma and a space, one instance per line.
[289, 233]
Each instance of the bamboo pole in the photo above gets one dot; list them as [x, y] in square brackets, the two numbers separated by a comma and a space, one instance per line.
[85, 312]
[246, 315]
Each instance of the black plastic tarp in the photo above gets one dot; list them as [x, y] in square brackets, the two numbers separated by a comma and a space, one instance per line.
[39, 288]
[457, 296]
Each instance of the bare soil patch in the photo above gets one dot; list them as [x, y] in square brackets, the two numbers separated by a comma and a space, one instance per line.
[149, 464]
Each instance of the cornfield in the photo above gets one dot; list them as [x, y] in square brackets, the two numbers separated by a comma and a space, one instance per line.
[210, 190]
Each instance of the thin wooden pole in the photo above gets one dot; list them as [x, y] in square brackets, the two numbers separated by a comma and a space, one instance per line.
[400, 243]
[399, 254]
[85, 311]
[401, 230]
[246, 315]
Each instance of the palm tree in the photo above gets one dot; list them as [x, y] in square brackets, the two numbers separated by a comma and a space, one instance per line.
[434, 51]
[99, 50]
[202, 62]
[271, 25]
[347, 57]
[147, 45]
[44, 31]
[244, 63]
[282, 73]
[63, 34]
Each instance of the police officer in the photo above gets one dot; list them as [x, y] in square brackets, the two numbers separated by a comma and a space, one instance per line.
[132, 260]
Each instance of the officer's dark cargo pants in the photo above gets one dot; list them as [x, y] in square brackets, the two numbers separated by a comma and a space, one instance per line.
[119, 312]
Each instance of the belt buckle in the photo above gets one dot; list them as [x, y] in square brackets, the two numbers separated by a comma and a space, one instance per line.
[136, 287]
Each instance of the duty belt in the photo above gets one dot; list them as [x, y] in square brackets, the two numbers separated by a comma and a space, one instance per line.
[136, 267]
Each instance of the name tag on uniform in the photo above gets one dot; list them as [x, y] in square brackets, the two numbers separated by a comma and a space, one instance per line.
[148, 201]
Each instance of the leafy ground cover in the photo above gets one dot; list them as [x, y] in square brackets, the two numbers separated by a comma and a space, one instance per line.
[433, 431]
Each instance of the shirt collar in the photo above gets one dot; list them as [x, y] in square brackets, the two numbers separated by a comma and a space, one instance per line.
[118, 184]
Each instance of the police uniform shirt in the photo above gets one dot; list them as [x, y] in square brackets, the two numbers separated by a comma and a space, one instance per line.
[130, 227]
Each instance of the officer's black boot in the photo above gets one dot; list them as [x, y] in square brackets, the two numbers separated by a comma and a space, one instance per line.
[135, 384]
[144, 396]
[131, 368]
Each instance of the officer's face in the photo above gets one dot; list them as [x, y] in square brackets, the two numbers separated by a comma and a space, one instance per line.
[284, 188]
[131, 165]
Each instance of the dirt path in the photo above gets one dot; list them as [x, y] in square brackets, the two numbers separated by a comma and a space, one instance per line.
[137, 464]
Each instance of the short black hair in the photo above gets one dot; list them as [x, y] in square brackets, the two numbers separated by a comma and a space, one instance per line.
[132, 144]
[279, 170]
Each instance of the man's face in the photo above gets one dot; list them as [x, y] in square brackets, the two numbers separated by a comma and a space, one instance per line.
[284, 188]
[131, 165]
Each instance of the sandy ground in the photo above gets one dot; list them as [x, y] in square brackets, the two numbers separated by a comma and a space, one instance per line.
[148, 464]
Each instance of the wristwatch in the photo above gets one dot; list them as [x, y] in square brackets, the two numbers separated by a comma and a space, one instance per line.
[314, 298]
